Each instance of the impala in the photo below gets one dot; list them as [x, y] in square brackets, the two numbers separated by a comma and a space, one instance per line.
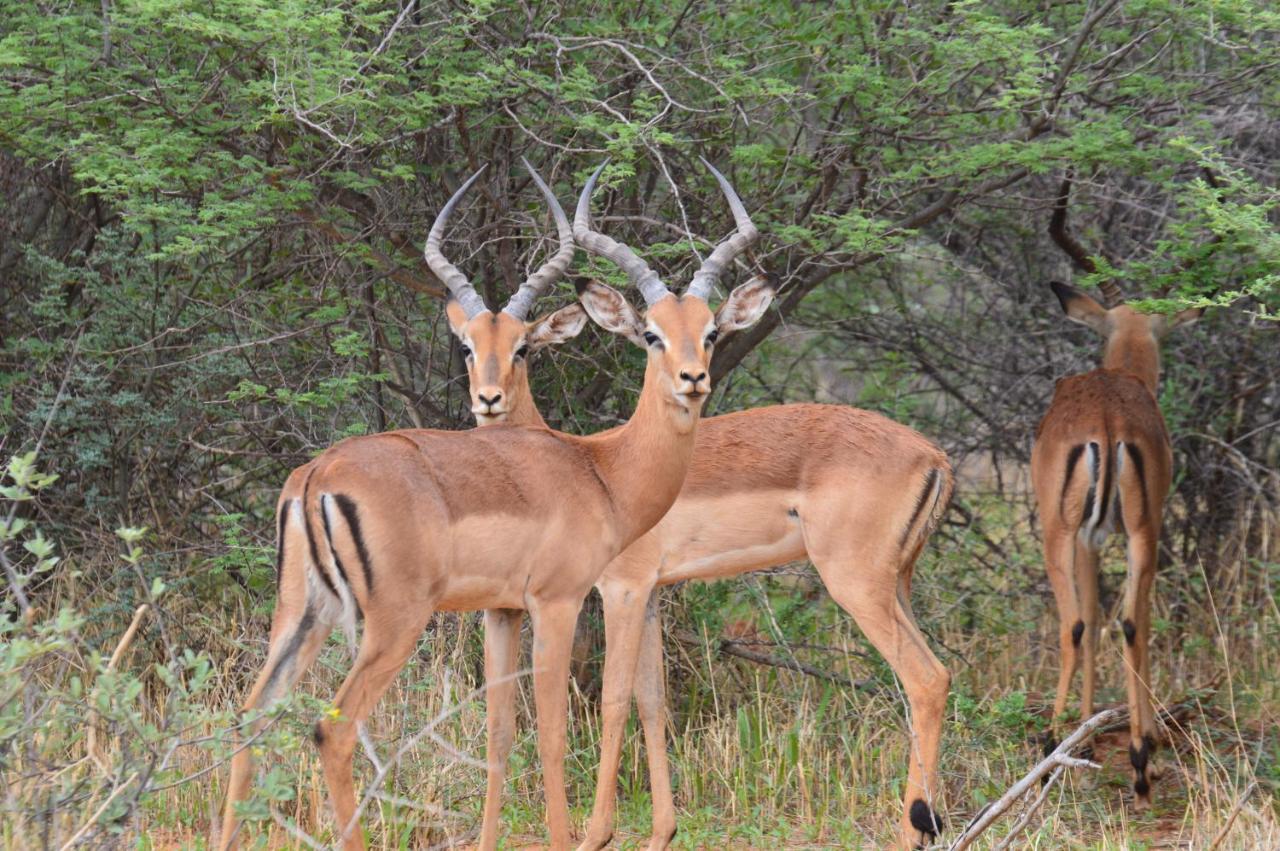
[1102, 463]
[853, 491]
[393, 527]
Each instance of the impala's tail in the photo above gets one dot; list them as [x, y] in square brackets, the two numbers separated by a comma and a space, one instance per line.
[931, 505]
[1103, 464]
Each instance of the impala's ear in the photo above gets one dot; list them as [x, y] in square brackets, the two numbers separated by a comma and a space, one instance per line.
[608, 309]
[1080, 307]
[1161, 325]
[554, 328]
[457, 316]
[746, 304]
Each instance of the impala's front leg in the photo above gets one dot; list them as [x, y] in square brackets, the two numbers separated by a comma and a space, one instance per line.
[501, 658]
[553, 625]
[651, 703]
[624, 616]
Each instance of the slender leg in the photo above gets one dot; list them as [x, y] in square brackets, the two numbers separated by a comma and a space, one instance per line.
[553, 625]
[877, 607]
[624, 620]
[295, 643]
[1059, 553]
[651, 702]
[1137, 632]
[1086, 579]
[388, 641]
[501, 658]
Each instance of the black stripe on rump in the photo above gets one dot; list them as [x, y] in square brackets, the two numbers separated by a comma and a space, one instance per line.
[930, 483]
[311, 541]
[1073, 458]
[280, 521]
[1139, 468]
[333, 550]
[290, 650]
[348, 508]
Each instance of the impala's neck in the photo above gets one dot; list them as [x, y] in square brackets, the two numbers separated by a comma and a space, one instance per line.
[522, 411]
[1135, 351]
[643, 463]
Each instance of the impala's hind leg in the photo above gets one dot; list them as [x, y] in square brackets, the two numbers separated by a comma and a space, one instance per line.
[874, 593]
[296, 640]
[501, 659]
[1086, 637]
[305, 615]
[1137, 633]
[1059, 558]
[389, 639]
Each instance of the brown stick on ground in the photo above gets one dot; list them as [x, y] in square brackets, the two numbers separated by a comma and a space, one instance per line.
[1061, 756]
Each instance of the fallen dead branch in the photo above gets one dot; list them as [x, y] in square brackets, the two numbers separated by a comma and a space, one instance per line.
[1051, 766]
[732, 647]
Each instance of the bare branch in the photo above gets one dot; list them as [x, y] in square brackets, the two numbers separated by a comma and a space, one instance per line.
[1051, 764]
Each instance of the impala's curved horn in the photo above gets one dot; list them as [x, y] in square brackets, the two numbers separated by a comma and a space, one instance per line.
[1111, 294]
[448, 273]
[645, 279]
[734, 244]
[551, 271]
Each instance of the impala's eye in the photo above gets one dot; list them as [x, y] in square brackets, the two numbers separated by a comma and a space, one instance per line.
[522, 352]
[466, 350]
[712, 337]
[652, 338]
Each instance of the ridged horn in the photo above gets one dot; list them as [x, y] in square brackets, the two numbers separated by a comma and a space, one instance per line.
[734, 244]
[449, 274]
[645, 279]
[553, 270]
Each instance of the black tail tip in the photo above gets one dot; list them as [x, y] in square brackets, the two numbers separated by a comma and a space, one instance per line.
[924, 819]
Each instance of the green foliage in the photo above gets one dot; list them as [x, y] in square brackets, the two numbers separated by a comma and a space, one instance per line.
[211, 219]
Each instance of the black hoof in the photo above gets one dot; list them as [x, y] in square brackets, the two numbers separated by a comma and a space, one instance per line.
[924, 819]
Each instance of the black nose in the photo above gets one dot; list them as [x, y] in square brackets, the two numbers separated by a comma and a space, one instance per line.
[693, 379]
[497, 397]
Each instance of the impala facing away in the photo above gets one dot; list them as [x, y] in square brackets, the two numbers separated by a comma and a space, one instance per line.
[396, 526]
[853, 491]
[1102, 463]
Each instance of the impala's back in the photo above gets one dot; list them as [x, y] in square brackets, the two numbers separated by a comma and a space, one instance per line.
[1102, 463]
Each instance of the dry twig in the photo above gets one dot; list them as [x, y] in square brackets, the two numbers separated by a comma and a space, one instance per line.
[1060, 758]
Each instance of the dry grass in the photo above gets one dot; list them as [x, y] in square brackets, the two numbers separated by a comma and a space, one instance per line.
[767, 758]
